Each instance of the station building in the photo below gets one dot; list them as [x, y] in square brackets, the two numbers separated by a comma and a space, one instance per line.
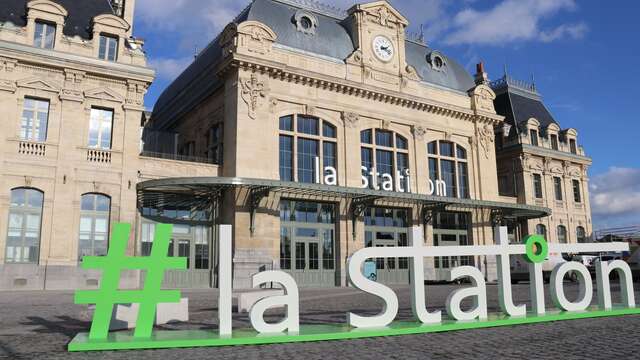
[313, 131]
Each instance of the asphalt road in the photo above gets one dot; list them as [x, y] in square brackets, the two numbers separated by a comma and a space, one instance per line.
[39, 325]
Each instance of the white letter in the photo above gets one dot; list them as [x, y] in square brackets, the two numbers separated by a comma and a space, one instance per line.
[501, 237]
[399, 181]
[478, 291]
[224, 275]
[291, 322]
[418, 296]
[536, 288]
[374, 179]
[316, 165]
[441, 188]
[387, 182]
[407, 175]
[430, 187]
[365, 180]
[557, 286]
[357, 279]
[603, 269]
[332, 177]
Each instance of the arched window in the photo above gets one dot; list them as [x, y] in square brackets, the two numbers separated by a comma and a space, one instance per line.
[385, 155]
[581, 234]
[95, 210]
[541, 229]
[23, 232]
[562, 234]
[448, 163]
[303, 139]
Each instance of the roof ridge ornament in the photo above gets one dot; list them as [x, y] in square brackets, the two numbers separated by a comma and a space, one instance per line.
[317, 7]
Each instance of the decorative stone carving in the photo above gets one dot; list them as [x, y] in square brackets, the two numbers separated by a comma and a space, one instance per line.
[7, 64]
[411, 73]
[355, 58]
[385, 124]
[418, 132]
[382, 14]
[482, 99]
[28, 181]
[350, 119]
[486, 137]
[273, 103]
[72, 82]
[104, 93]
[310, 110]
[306, 22]
[253, 93]
[249, 36]
[135, 94]
[39, 84]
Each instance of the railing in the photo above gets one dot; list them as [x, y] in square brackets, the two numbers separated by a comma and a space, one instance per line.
[509, 81]
[32, 148]
[99, 156]
[177, 157]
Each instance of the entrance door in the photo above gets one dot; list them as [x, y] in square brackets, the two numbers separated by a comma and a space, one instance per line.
[191, 242]
[388, 228]
[307, 261]
[450, 229]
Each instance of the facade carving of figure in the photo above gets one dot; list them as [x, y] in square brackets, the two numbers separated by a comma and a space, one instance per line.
[350, 119]
[418, 132]
[254, 92]
[486, 138]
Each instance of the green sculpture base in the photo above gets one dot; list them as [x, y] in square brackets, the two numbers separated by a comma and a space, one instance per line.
[308, 333]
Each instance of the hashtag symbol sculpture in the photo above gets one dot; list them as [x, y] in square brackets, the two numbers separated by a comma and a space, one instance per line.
[148, 298]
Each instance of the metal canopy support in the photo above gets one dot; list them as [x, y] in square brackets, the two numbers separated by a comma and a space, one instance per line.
[428, 211]
[255, 197]
[358, 206]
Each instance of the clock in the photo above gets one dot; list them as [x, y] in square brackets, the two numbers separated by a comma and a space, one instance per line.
[383, 48]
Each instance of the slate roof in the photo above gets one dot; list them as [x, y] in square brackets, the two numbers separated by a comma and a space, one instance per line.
[78, 23]
[519, 102]
[333, 39]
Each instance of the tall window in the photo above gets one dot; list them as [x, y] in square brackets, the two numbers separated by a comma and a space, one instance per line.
[577, 196]
[35, 119]
[557, 187]
[214, 144]
[448, 163]
[541, 229]
[23, 232]
[386, 154]
[94, 225]
[573, 146]
[562, 234]
[537, 186]
[534, 137]
[100, 128]
[581, 234]
[303, 139]
[554, 142]
[108, 48]
[44, 35]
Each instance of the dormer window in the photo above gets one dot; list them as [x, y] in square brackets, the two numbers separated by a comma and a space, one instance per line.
[573, 146]
[305, 22]
[534, 137]
[108, 48]
[554, 142]
[44, 35]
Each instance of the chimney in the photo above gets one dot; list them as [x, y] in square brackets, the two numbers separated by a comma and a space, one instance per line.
[481, 76]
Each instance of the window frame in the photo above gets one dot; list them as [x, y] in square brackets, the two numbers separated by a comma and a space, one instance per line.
[35, 125]
[100, 130]
[457, 160]
[581, 234]
[561, 233]
[555, 144]
[534, 136]
[23, 211]
[108, 56]
[320, 140]
[41, 41]
[215, 144]
[557, 188]
[396, 153]
[538, 191]
[94, 214]
[577, 191]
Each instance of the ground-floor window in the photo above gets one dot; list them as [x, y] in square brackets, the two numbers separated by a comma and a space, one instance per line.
[451, 229]
[94, 225]
[307, 241]
[23, 231]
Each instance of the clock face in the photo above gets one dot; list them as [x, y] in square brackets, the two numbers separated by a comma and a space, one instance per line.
[383, 48]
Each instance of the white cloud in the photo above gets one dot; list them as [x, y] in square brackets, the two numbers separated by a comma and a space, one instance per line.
[169, 69]
[615, 196]
[511, 21]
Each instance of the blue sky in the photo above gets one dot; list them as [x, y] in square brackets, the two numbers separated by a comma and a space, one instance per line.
[585, 59]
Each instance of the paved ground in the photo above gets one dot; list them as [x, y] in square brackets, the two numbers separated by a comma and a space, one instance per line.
[38, 325]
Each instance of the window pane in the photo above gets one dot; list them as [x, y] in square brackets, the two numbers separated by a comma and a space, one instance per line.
[557, 185]
[384, 162]
[449, 177]
[577, 197]
[38, 34]
[314, 261]
[461, 153]
[103, 203]
[285, 249]
[286, 123]
[463, 180]
[534, 137]
[87, 202]
[286, 158]
[401, 142]
[18, 197]
[433, 170]
[366, 158]
[308, 125]
[307, 153]
[365, 137]
[300, 256]
[328, 130]
[329, 155]
[34, 198]
[537, 185]
[446, 149]
[432, 148]
[327, 250]
[50, 33]
[112, 51]
[384, 138]
[102, 52]
[554, 142]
